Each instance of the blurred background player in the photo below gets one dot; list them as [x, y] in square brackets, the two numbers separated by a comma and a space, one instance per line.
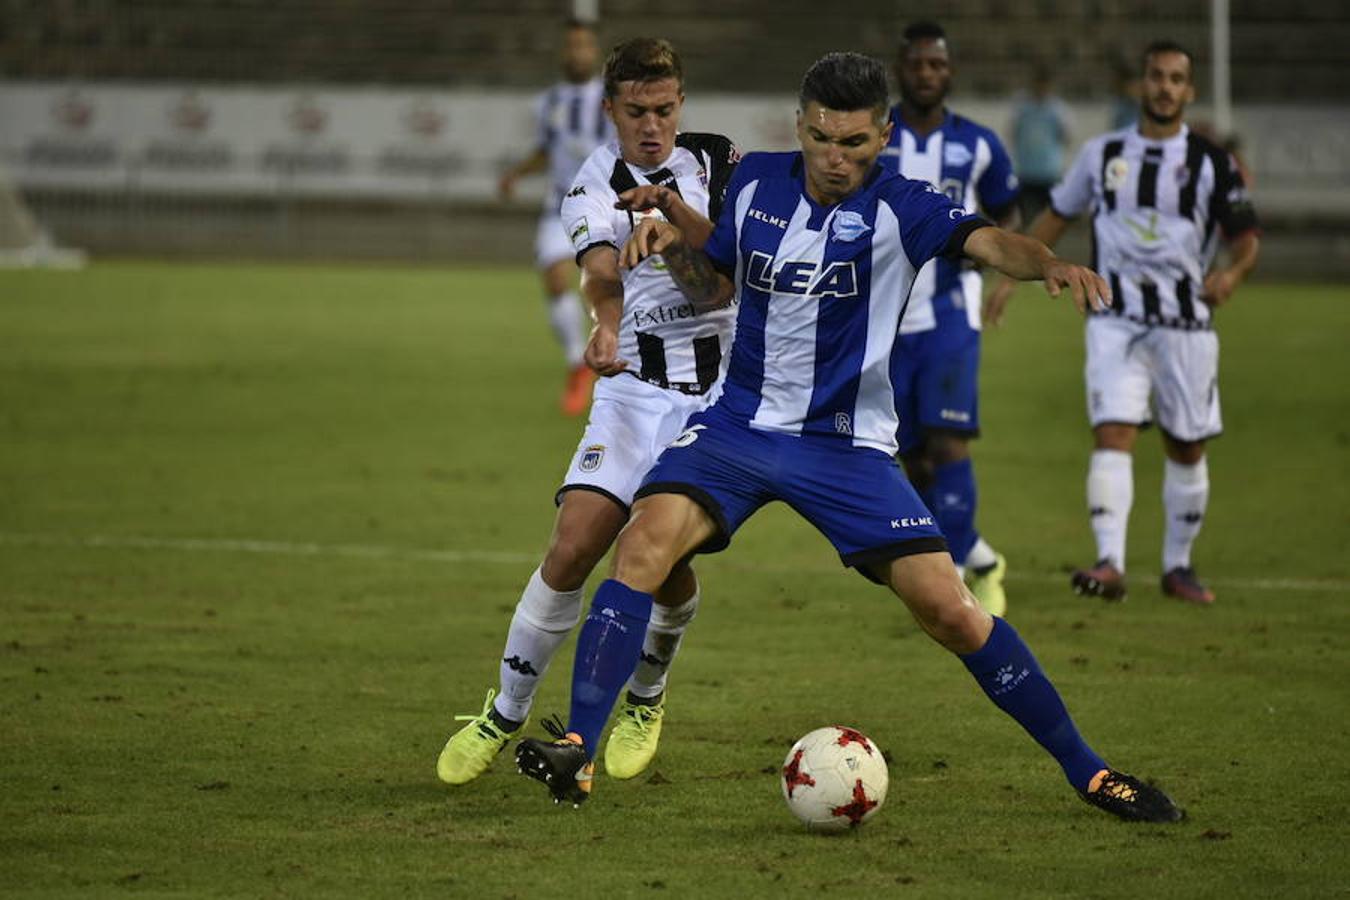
[823, 245]
[1160, 194]
[936, 362]
[571, 124]
[659, 360]
[1040, 133]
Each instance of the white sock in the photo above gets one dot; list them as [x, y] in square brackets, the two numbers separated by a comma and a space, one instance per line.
[565, 315]
[1185, 496]
[981, 556]
[664, 633]
[544, 617]
[1110, 493]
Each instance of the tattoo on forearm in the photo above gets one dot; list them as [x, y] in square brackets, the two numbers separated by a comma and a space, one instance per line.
[694, 273]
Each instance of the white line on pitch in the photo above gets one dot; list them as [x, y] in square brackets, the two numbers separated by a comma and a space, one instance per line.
[270, 548]
[368, 551]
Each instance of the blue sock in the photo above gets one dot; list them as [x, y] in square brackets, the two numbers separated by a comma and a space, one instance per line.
[953, 505]
[1011, 677]
[608, 648]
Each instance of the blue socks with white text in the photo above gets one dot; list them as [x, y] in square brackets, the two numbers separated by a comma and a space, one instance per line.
[953, 505]
[1012, 678]
[608, 648]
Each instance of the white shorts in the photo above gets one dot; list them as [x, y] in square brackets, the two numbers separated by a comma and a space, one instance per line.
[631, 423]
[1128, 361]
[551, 243]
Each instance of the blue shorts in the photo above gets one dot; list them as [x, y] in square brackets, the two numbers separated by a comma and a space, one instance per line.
[856, 496]
[936, 378]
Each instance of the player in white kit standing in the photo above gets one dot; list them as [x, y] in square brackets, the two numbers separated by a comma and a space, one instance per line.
[1160, 196]
[571, 123]
[660, 358]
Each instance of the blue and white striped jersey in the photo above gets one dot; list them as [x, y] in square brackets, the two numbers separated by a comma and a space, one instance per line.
[822, 290]
[966, 162]
[571, 123]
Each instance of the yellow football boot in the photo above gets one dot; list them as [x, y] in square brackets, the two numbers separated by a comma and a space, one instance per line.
[472, 749]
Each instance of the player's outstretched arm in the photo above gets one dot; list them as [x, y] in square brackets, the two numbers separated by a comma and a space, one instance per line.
[1048, 228]
[603, 288]
[1027, 259]
[695, 226]
[705, 287]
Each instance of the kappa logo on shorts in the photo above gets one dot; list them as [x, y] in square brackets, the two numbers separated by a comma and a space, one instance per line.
[591, 458]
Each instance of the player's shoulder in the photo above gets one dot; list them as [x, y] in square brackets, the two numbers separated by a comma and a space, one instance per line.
[968, 129]
[895, 189]
[716, 146]
[763, 165]
[598, 168]
[1207, 146]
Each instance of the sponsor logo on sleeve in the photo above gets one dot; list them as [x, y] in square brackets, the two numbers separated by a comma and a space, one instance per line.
[580, 232]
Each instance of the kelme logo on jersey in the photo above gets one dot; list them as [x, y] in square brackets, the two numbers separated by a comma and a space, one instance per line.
[848, 226]
[591, 458]
[800, 276]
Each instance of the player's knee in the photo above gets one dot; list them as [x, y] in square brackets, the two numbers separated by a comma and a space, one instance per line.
[570, 559]
[641, 560]
[958, 623]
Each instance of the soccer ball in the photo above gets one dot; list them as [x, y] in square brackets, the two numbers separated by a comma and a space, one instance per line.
[834, 779]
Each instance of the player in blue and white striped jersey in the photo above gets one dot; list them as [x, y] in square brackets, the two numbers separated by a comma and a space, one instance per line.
[571, 122]
[1161, 197]
[821, 247]
[936, 364]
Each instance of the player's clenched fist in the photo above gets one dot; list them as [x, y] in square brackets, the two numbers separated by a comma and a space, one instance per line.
[602, 351]
[651, 237]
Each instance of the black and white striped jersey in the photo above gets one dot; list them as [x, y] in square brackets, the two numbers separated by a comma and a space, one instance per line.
[661, 337]
[571, 123]
[1158, 208]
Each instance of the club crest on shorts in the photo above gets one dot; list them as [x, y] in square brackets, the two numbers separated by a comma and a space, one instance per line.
[591, 458]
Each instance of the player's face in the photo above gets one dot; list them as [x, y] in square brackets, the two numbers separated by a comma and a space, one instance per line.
[579, 54]
[925, 73]
[1167, 87]
[839, 149]
[646, 115]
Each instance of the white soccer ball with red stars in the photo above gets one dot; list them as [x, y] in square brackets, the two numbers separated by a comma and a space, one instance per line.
[834, 779]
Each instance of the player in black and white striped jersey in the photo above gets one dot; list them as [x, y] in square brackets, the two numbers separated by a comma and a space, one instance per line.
[1161, 196]
[571, 122]
[659, 359]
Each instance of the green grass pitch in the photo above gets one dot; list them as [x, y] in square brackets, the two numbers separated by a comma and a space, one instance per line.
[262, 529]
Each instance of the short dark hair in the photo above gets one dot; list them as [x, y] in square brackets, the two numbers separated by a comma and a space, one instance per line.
[920, 31]
[1167, 45]
[642, 59]
[845, 82]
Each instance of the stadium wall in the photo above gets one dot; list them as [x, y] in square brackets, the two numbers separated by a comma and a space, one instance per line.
[411, 173]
